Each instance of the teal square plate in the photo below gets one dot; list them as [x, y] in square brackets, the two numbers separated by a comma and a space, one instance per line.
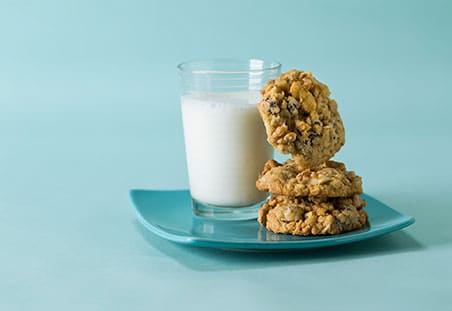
[168, 214]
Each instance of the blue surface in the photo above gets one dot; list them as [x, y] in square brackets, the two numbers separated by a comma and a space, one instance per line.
[89, 110]
[168, 214]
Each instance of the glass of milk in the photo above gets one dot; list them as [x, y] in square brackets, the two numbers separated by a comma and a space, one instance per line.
[225, 139]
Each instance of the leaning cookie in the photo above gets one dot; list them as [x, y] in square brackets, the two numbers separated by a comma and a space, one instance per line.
[302, 216]
[330, 179]
[301, 119]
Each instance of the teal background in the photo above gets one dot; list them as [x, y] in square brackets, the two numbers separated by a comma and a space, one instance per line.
[89, 109]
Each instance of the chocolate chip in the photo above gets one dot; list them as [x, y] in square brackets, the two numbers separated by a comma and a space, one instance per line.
[318, 122]
[269, 100]
[313, 135]
[292, 107]
[273, 106]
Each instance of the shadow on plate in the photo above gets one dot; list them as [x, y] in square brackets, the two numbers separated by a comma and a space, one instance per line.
[208, 259]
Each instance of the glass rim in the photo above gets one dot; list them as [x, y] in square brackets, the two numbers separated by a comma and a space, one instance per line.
[268, 66]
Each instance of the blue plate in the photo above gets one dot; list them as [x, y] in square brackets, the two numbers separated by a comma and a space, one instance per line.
[168, 214]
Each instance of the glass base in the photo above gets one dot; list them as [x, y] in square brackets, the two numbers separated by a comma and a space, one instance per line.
[225, 212]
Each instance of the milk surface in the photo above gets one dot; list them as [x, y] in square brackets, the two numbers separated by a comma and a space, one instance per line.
[226, 147]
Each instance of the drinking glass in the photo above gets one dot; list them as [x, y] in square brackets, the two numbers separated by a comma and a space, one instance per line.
[225, 139]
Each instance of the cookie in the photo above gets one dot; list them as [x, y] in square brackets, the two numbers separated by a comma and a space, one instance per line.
[308, 216]
[329, 179]
[300, 118]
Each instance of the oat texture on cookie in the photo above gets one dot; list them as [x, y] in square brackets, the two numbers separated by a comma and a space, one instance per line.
[301, 119]
[311, 195]
[330, 179]
[308, 216]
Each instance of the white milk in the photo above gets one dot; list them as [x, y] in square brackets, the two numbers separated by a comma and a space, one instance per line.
[226, 147]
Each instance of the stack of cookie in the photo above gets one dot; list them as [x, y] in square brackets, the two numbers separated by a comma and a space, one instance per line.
[311, 195]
